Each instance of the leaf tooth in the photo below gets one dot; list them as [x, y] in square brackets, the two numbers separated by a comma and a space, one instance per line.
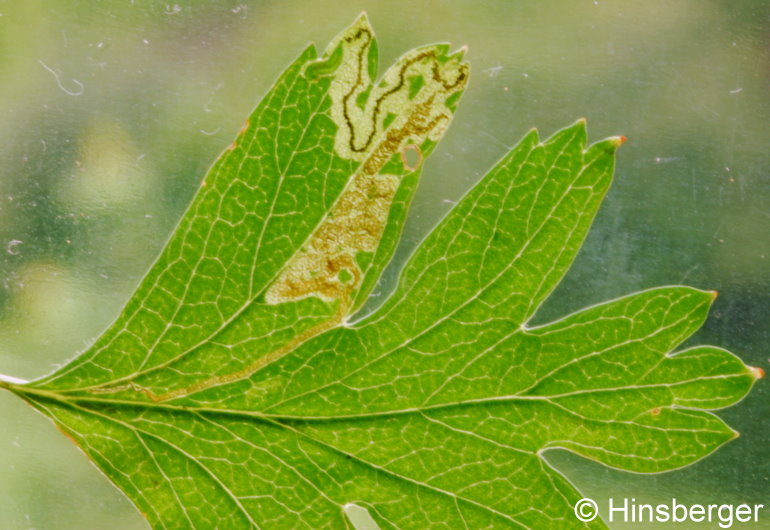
[756, 371]
[572, 133]
[619, 140]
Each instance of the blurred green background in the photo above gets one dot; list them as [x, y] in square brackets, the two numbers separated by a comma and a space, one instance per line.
[111, 112]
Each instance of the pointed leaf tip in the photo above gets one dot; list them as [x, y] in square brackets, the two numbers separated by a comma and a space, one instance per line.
[459, 54]
[617, 141]
[274, 377]
[582, 125]
[447, 54]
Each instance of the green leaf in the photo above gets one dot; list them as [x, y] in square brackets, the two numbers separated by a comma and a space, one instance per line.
[238, 388]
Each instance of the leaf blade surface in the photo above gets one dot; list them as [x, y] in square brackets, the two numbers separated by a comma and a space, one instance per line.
[233, 392]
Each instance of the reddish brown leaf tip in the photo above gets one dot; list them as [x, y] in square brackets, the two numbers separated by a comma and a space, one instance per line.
[617, 141]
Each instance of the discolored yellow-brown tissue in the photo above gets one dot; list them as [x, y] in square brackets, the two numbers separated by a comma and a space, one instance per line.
[326, 265]
[364, 110]
[374, 125]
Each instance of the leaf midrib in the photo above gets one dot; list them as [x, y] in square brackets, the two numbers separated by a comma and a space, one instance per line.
[24, 392]
[73, 403]
[283, 422]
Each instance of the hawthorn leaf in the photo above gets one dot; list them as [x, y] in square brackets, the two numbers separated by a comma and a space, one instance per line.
[239, 389]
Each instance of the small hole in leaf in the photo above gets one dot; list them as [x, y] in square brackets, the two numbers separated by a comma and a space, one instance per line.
[411, 157]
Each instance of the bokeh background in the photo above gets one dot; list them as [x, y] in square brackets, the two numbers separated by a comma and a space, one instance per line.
[111, 111]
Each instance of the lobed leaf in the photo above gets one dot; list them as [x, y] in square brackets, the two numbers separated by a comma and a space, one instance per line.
[234, 390]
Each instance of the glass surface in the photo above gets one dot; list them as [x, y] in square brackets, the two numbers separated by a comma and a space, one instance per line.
[111, 112]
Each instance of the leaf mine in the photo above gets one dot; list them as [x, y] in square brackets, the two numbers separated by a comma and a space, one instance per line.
[232, 391]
